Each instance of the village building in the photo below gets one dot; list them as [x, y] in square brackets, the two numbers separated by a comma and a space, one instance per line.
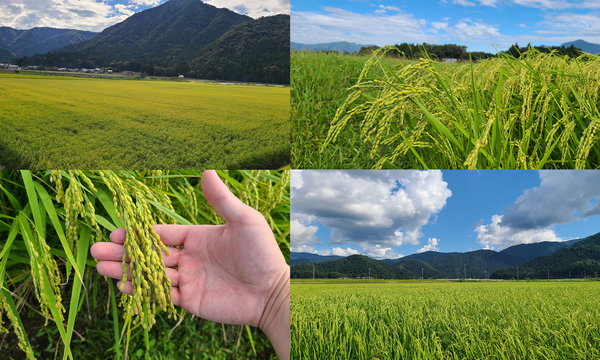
[448, 60]
[127, 73]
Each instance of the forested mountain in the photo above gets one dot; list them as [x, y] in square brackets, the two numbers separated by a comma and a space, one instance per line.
[584, 46]
[420, 268]
[530, 251]
[577, 258]
[300, 257]
[340, 46]
[351, 266]
[255, 49]
[185, 37]
[40, 39]
[6, 55]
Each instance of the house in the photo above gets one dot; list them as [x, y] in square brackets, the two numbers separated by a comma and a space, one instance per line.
[181, 76]
[110, 71]
[127, 73]
[32, 67]
[448, 60]
[61, 69]
[14, 67]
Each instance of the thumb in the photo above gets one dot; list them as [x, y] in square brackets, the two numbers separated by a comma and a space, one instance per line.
[229, 207]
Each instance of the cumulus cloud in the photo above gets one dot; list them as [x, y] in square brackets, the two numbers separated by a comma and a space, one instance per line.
[336, 24]
[303, 234]
[303, 248]
[373, 210]
[463, 3]
[89, 15]
[254, 9]
[432, 244]
[474, 30]
[562, 197]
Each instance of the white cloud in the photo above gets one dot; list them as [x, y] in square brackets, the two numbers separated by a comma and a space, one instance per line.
[374, 210]
[336, 24]
[473, 31]
[91, 15]
[301, 234]
[505, 236]
[343, 252]
[378, 252]
[392, 8]
[254, 9]
[146, 2]
[303, 248]
[562, 197]
[463, 3]
[432, 244]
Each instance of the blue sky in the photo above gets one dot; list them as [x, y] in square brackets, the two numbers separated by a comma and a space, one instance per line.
[388, 214]
[482, 25]
[96, 15]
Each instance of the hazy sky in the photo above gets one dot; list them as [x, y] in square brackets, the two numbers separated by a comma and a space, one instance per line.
[96, 15]
[482, 25]
[388, 214]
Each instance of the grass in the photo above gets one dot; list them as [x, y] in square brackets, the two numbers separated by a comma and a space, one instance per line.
[539, 111]
[516, 320]
[49, 122]
[42, 271]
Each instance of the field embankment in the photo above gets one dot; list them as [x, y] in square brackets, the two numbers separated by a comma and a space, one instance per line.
[51, 122]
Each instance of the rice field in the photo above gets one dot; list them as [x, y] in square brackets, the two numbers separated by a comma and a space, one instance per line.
[49, 122]
[539, 111]
[508, 320]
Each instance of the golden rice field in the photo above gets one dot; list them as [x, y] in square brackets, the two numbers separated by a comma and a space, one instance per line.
[538, 111]
[49, 122]
[508, 321]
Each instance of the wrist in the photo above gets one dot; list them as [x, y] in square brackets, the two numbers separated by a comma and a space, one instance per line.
[275, 320]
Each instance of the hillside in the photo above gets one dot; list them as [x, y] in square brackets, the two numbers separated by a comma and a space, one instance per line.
[351, 266]
[530, 251]
[577, 258]
[185, 37]
[300, 257]
[341, 47]
[419, 268]
[244, 51]
[40, 39]
[6, 55]
[480, 264]
[584, 46]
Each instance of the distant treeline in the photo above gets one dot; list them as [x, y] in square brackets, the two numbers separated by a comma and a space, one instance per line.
[459, 52]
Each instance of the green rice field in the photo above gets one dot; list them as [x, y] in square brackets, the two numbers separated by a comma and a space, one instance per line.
[494, 320]
[540, 111]
[49, 122]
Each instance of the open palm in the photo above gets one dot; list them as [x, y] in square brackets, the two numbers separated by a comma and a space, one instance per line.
[224, 273]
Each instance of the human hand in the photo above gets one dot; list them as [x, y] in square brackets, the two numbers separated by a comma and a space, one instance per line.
[233, 273]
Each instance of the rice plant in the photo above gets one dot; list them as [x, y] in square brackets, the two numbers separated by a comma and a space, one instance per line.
[49, 220]
[508, 321]
[537, 111]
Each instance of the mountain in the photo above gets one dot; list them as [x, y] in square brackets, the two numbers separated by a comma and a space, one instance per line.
[530, 251]
[341, 47]
[480, 264]
[351, 266]
[6, 55]
[420, 268]
[186, 37]
[584, 46]
[297, 258]
[39, 39]
[582, 256]
[248, 47]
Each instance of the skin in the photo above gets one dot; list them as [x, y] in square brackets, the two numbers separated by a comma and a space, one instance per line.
[233, 273]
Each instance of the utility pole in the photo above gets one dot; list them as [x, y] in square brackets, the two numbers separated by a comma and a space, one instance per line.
[421, 273]
[548, 274]
[465, 271]
[369, 273]
[517, 273]
[313, 271]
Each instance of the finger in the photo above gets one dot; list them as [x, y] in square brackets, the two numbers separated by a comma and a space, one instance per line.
[118, 236]
[114, 252]
[221, 199]
[128, 289]
[114, 270]
[170, 235]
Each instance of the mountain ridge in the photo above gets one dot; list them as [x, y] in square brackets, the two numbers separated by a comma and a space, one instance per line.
[39, 39]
